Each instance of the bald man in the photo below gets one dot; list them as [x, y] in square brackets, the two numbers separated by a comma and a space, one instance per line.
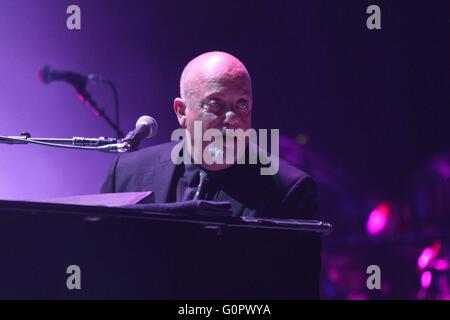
[215, 92]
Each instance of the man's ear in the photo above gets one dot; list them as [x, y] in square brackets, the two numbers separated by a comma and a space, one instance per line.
[180, 110]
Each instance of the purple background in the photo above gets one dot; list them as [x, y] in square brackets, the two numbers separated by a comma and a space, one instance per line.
[374, 104]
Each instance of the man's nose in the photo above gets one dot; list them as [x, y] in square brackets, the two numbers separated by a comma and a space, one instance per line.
[231, 118]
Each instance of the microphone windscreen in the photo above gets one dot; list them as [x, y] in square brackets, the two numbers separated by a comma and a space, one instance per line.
[150, 122]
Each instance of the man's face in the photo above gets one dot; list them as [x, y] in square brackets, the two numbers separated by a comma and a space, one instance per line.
[216, 94]
[223, 102]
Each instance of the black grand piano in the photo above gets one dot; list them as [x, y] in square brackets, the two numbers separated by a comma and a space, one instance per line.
[132, 253]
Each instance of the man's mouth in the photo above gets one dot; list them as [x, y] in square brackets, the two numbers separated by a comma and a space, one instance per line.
[226, 131]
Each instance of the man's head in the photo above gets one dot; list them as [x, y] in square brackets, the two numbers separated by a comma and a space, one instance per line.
[215, 88]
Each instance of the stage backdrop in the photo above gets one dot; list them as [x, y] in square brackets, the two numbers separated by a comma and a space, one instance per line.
[372, 103]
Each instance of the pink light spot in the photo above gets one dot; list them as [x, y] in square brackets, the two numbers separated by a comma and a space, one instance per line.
[441, 265]
[425, 279]
[428, 254]
[425, 258]
[81, 97]
[356, 296]
[378, 219]
[40, 76]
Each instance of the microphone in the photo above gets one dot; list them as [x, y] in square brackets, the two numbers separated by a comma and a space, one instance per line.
[77, 80]
[146, 127]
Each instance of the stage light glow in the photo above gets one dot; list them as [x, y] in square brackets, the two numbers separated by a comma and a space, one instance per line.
[441, 265]
[428, 254]
[378, 219]
[425, 279]
[425, 258]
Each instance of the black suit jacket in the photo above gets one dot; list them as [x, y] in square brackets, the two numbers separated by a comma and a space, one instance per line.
[290, 193]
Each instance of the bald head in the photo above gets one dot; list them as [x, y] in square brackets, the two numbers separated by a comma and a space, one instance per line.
[215, 92]
[212, 68]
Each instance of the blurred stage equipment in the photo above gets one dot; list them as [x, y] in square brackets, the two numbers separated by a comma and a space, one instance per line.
[431, 194]
[79, 82]
[407, 237]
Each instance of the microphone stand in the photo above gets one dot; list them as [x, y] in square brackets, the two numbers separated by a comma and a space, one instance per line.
[99, 112]
[79, 82]
[111, 145]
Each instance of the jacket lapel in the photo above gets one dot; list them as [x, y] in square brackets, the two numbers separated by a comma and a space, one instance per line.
[159, 176]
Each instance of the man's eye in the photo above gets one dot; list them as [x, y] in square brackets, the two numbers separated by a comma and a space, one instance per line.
[243, 104]
[214, 104]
